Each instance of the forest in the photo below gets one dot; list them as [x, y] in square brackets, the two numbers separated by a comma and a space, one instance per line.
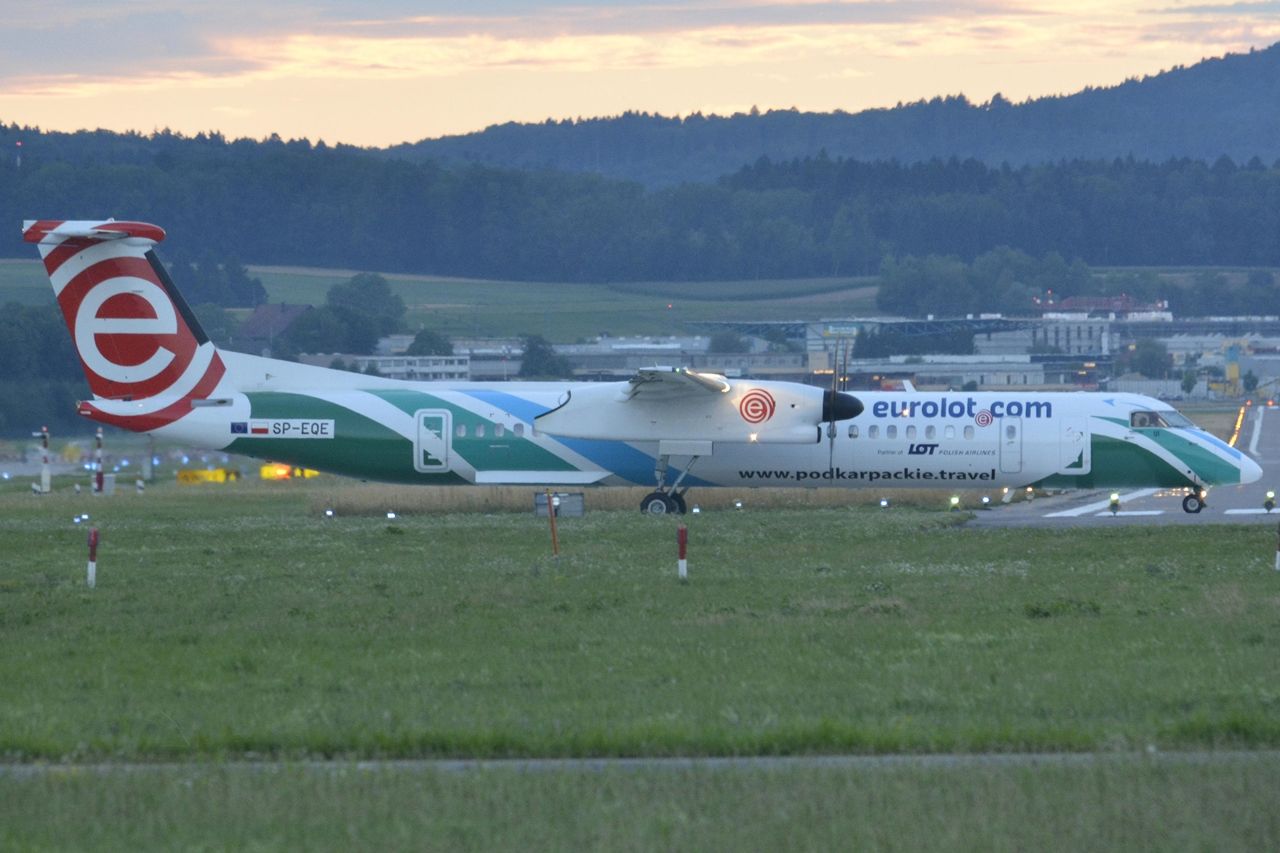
[277, 202]
[1218, 106]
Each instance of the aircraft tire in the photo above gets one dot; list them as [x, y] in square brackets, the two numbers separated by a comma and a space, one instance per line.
[657, 503]
[1192, 504]
[681, 506]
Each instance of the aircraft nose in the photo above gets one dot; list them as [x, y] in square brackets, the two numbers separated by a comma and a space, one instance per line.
[1250, 471]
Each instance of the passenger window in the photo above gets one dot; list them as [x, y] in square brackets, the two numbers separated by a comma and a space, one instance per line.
[519, 429]
[911, 432]
[931, 432]
[460, 430]
[873, 431]
[968, 433]
[853, 430]
[891, 431]
[499, 430]
[479, 430]
[949, 431]
[1011, 432]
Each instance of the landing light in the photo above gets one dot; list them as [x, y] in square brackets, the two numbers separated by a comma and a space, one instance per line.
[737, 504]
[328, 513]
[985, 500]
[391, 516]
[1115, 502]
[1270, 503]
[955, 501]
[755, 436]
[884, 503]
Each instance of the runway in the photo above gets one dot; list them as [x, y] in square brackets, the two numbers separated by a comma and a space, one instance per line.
[1259, 437]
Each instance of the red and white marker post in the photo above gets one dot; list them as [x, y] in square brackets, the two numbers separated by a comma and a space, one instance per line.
[97, 477]
[1278, 548]
[46, 483]
[682, 546]
[552, 505]
[92, 576]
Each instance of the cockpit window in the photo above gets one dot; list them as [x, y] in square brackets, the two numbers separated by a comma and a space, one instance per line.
[1166, 418]
[1177, 419]
[1146, 420]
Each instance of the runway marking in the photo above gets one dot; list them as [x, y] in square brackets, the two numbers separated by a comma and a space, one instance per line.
[1130, 512]
[1249, 511]
[1094, 507]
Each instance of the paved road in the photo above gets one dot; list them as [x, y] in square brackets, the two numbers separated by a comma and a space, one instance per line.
[1260, 437]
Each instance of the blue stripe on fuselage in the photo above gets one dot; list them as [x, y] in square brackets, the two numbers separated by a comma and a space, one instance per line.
[616, 457]
[1218, 443]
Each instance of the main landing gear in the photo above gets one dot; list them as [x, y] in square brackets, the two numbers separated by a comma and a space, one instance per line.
[667, 500]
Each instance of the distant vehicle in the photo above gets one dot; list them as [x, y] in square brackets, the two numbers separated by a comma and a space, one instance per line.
[152, 369]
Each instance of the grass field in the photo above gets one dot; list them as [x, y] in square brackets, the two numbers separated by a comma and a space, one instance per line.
[238, 623]
[560, 312]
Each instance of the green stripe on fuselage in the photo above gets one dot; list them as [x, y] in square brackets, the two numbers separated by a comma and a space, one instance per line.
[1117, 462]
[490, 452]
[361, 447]
[1211, 468]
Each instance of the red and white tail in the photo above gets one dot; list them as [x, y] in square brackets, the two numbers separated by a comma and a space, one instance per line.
[144, 353]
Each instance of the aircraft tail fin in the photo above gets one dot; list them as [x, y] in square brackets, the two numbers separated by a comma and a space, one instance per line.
[142, 349]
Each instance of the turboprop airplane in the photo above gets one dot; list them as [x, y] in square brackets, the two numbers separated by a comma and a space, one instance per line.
[152, 369]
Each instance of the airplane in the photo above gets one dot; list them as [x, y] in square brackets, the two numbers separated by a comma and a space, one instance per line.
[152, 369]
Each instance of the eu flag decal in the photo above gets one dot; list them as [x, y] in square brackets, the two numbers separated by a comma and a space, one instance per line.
[239, 428]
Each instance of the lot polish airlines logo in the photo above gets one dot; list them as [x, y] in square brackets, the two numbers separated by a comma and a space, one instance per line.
[756, 406]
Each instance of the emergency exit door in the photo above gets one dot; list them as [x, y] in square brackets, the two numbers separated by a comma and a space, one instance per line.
[1011, 445]
[431, 448]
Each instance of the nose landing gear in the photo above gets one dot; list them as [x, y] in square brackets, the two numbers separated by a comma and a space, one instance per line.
[1195, 501]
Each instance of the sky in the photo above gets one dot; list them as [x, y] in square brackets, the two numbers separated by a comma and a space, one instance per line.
[380, 72]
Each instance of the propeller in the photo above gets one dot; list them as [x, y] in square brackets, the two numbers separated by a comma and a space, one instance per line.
[836, 404]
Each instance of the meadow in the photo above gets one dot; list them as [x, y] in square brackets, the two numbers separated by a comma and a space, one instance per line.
[238, 623]
[560, 312]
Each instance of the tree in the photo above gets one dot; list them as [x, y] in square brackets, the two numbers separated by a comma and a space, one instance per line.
[217, 323]
[1189, 381]
[1150, 357]
[726, 341]
[369, 295]
[541, 361]
[1250, 382]
[430, 342]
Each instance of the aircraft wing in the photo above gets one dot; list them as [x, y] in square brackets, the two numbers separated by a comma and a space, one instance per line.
[678, 404]
[661, 383]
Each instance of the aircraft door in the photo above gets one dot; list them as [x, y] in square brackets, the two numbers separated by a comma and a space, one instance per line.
[1074, 446]
[431, 448]
[1011, 445]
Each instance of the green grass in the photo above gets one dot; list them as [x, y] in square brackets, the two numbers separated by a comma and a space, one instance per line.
[233, 621]
[1104, 805]
[566, 312]
[560, 312]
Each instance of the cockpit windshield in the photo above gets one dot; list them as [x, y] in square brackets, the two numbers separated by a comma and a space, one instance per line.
[1167, 418]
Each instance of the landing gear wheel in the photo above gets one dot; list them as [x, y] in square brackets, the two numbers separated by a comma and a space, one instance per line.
[681, 506]
[1192, 503]
[658, 503]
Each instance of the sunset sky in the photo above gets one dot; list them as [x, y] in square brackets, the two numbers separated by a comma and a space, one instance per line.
[387, 71]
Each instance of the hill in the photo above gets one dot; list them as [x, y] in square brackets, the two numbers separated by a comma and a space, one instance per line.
[1223, 106]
